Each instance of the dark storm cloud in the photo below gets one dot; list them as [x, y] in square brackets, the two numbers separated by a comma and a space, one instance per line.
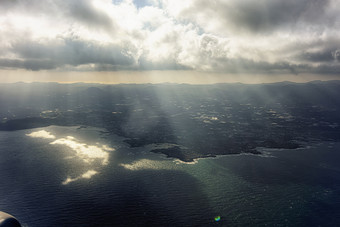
[327, 55]
[264, 15]
[30, 64]
[327, 69]
[79, 52]
[274, 14]
[242, 65]
[69, 52]
[84, 11]
[320, 51]
[7, 4]
[48, 7]
[71, 11]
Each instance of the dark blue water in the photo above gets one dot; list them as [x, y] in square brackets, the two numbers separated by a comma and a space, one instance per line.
[136, 187]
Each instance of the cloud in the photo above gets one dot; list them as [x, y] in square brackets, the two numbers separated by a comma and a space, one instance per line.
[336, 54]
[318, 56]
[234, 36]
[253, 16]
[86, 12]
[69, 51]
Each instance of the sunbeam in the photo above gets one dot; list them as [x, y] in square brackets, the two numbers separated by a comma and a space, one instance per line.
[170, 112]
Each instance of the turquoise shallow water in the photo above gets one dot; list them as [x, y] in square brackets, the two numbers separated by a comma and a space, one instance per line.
[94, 179]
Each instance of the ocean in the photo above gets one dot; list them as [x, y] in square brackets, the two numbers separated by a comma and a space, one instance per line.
[84, 176]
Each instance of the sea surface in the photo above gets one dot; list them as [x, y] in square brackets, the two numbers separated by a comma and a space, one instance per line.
[83, 176]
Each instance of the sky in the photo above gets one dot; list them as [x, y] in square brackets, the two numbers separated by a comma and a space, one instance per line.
[189, 41]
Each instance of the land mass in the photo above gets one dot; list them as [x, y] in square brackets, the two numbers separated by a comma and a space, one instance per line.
[200, 120]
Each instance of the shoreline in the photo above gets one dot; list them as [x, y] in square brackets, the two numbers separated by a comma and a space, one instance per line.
[171, 150]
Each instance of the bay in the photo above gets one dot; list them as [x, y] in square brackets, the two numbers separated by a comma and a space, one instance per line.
[84, 176]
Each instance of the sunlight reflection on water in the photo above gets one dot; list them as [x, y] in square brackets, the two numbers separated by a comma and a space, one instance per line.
[86, 152]
[86, 175]
[89, 154]
[149, 164]
[41, 134]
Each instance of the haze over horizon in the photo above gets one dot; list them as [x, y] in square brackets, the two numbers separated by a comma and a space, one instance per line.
[194, 41]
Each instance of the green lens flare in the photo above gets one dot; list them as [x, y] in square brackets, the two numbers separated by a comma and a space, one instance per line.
[217, 218]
